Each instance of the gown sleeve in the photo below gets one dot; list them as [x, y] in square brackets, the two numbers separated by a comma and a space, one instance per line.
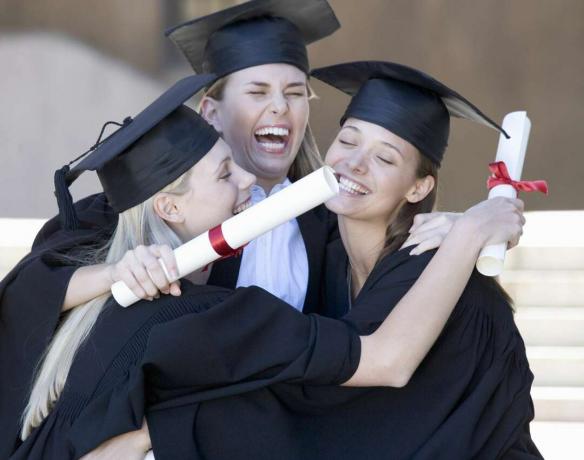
[246, 342]
[31, 298]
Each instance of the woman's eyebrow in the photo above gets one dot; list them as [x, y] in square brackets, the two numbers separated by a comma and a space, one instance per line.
[258, 83]
[296, 84]
[353, 128]
[393, 147]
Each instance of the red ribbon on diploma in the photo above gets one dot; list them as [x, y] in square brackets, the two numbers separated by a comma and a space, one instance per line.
[221, 246]
[501, 177]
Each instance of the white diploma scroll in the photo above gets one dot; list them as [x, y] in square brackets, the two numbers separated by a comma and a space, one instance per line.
[512, 152]
[287, 204]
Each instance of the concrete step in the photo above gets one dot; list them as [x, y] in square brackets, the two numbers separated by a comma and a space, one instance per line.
[545, 287]
[545, 258]
[16, 237]
[551, 326]
[553, 229]
[564, 404]
[557, 366]
[558, 440]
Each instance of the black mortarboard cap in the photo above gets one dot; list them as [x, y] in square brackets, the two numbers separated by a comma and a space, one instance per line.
[254, 33]
[147, 153]
[403, 100]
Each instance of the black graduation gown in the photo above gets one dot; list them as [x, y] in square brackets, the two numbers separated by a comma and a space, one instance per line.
[31, 297]
[470, 397]
[257, 340]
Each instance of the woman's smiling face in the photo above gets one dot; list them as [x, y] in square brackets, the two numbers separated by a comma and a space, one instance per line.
[263, 117]
[377, 171]
[218, 189]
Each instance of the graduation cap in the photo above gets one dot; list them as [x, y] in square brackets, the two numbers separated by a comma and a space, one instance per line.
[403, 100]
[254, 33]
[145, 154]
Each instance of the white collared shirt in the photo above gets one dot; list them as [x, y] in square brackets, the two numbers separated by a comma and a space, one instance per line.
[276, 261]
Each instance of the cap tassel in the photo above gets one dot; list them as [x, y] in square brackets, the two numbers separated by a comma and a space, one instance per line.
[67, 214]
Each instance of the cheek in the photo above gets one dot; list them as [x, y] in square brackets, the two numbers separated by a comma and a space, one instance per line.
[300, 112]
[333, 155]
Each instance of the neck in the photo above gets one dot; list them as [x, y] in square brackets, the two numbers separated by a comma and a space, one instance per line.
[363, 241]
[269, 183]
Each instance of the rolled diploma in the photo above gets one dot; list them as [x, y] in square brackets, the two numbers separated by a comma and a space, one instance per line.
[289, 203]
[512, 152]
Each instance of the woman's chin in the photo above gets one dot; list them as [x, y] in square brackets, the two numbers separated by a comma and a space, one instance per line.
[340, 207]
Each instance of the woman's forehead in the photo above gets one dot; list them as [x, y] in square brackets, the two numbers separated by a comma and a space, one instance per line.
[375, 133]
[270, 74]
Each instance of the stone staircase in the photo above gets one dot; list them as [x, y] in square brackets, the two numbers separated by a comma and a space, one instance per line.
[16, 237]
[545, 277]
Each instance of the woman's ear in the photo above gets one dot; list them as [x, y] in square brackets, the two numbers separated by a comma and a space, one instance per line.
[211, 113]
[167, 207]
[421, 189]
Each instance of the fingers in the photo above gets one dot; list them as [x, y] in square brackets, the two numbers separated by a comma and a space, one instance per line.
[167, 256]
[138, 268]
[442, 220]
[175, 288]
[427, 245]
[435, 236]
[125, 274]
[421, 219]
[148, 257]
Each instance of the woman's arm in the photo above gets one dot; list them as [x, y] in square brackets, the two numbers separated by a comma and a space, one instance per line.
[393, 352]
[139, 269]
[130, 446]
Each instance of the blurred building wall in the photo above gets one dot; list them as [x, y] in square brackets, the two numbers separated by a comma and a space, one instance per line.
[502, 55]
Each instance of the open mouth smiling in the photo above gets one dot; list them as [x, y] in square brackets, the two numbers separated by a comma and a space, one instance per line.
[272, 139]
[351, 187]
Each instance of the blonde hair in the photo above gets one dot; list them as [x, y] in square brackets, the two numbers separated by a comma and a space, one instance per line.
[139, 225]
[308, 158]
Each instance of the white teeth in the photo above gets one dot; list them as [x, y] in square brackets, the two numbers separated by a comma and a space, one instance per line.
[242, 207]
[273, 131]
[272, 145]
[352, 187]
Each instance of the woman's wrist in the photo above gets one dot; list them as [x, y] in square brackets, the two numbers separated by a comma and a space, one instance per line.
[143, 437]
[467, 230]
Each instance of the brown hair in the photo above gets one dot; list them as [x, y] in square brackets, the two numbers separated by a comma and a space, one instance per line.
[398, 228]
[308, 158]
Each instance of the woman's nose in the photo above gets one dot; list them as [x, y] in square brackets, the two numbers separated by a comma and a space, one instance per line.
[246, 180]
[279, 104]
[357, 162]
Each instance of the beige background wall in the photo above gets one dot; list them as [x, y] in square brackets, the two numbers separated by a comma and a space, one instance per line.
[100, 60]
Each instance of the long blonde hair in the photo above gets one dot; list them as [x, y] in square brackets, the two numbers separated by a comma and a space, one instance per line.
[308, 158]
[136, 226]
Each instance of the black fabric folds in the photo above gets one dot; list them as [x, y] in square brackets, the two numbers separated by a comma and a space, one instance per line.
[254, 33]
[147, 153]
[156, 159]
[413, 113]
[406, 101]
[255, 42]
